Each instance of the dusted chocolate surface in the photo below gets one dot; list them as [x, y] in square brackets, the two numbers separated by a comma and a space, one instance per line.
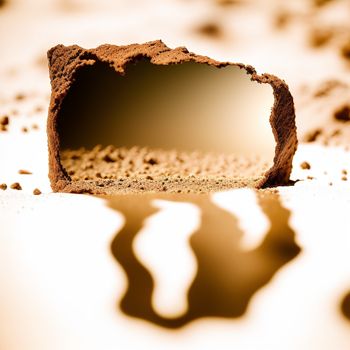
[65, 62]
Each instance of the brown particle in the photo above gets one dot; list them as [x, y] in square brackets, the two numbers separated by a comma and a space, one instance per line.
[344, 178]
[24, 129]
[330, 184]
[320, 37]
[320, 3]
[24, 172]
[35, 126]
[210, 29]
[36, 192]
[345, 50]
[342, 114]
[149, 177]
[305, 166]
[20, 97]
[151, 161]
[344, 172]
[4, 120]
[313, 135]
[16, 186]
[310, 177]
[3, 187]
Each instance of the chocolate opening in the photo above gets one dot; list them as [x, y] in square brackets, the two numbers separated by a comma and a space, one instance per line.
[188, 120]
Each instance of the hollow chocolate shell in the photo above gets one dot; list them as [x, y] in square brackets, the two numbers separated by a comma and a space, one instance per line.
[146, 118]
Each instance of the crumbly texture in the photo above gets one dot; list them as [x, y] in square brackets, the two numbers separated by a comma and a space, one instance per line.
[154, 170]
[16, 186]
[65, 61]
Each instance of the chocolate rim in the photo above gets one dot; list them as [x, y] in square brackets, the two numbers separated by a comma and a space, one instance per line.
[65, 62]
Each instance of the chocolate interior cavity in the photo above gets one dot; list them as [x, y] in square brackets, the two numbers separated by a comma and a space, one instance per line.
[147, 118]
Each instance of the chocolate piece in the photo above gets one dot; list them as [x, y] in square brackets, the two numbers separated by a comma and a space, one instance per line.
[305, 166]
[16, 186]
[66, 62]
[3, 187]
[24, 172]
[36, 192]
[342, 114]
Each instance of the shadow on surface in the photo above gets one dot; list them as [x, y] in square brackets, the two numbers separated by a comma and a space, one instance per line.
[227, 276]
[345, 306]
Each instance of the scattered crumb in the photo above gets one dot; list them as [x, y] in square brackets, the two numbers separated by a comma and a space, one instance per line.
[330, 184]
[320, 37]
[3, 187]
[4, 120]
[16, 186]
[310, 177]
[344, 178]
[344, 172]
[20, 97]
[342, 114]
[36, 192]
[24, 172]
[305, 166]
[24, 129]
[313, 135]
[35, 126]
[210, 29]
[345, 51]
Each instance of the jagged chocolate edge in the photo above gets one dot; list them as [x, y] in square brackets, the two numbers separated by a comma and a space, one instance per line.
[64, 62]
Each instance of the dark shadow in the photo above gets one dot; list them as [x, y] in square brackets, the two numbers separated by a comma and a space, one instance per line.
[227, 276]
[345, 306]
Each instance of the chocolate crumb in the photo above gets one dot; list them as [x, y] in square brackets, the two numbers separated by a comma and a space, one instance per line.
[36, 192]
[20, 97]
[342, 114]
[4, 120]
[305, 166]
[24, 172]
[320, 37]
[210, 29]
[310, 177]
[345, 51]
[16, 186]
[344, 172]
[24, 129]
[344, 178]
[313, 135]
[3, 187]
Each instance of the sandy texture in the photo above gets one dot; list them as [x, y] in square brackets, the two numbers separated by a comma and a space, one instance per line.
[64, 62]
[150, 170]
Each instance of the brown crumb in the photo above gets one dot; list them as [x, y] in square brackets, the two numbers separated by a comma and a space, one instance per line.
[3, 187]
[310, 177]
[282, 19]
[210, 29]
[35, 126]
[313, 135]
[24, 129]
[305, 166]
[344, 172]
[20, 97]
[3, 127]
[319, 3]
[38, 109]
[330, 184]
[342, 114]
[16, 186]
[24, 172]
[36, 192]
[344, 178]
[4, 120]
[320, 37]
[345, 50]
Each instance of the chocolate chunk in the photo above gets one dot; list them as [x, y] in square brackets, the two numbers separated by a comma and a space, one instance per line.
[3, 187]
[4, 120]
[305, 166]
[24, 172]
[36, 192]
[67, 65]
[16, 186]
[342, 114]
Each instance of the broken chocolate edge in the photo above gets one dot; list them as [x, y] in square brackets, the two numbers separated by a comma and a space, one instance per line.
[65, 62]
